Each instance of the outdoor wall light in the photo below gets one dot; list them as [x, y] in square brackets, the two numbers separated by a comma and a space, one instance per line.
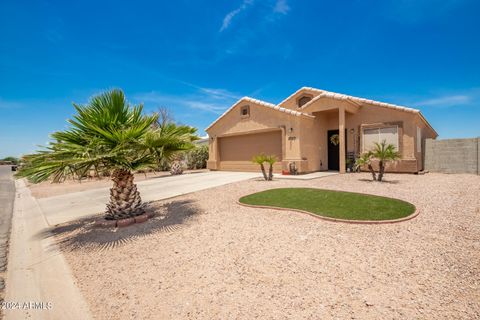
[290, 130]
[352, 131]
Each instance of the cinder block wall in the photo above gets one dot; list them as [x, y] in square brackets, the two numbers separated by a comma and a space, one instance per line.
[453, 155]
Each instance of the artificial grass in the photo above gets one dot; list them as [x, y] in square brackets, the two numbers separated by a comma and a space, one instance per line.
[333, 204]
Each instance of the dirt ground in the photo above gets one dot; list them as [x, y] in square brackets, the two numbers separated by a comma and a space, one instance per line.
[48, 189]
[206, 257]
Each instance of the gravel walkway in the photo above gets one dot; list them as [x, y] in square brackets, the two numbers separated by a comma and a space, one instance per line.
[209, 258]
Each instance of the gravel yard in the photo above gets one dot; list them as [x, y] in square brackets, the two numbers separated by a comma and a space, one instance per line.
[207, 257]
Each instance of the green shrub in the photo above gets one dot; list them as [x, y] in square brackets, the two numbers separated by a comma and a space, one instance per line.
[197, 158]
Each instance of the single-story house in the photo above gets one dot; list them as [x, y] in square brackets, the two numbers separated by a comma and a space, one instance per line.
[314, 130]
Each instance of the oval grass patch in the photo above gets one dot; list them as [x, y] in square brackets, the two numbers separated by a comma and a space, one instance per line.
[332, 204]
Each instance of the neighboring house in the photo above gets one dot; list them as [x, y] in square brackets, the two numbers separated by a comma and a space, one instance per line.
[299, 132]
[202, 141]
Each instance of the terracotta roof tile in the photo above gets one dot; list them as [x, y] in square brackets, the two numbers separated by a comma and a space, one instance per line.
[322, 94]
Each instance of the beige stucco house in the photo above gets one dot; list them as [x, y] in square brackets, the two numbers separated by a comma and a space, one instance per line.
[299, 132]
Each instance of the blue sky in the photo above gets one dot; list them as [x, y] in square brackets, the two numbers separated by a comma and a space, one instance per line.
[198, 57]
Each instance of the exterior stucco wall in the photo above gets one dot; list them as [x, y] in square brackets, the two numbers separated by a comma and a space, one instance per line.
[292, 102]
[313, 149]
[314, 137]
[261, 119]
[304, 140]
[371, 116]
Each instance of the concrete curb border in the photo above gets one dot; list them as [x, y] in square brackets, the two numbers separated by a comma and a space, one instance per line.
[37, 270]
[103, 223]
[409, 217]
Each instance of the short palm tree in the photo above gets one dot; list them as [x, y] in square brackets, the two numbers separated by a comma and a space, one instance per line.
[113, 138]
[261, 159]
[366, 160]
[383, 152]
[271, 161]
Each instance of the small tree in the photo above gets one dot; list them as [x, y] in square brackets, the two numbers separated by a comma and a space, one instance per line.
[365, 160]
[13, 160]
[197, 157]
[271, 161]
[114, 138]
[261, 159]
[383, 152]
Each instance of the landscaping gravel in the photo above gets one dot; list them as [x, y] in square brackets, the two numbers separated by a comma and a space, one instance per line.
[206, 257]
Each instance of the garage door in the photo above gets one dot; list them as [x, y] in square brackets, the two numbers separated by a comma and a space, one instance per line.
[236, 152]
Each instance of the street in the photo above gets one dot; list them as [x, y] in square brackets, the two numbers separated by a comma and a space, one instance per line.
[7, 195]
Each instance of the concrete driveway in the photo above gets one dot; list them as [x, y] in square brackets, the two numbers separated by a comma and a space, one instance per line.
[68, 207]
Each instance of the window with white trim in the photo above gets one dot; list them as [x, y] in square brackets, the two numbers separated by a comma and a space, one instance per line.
[372, 135]
[419, 139]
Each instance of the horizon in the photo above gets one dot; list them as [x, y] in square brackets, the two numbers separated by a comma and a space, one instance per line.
[418, 54]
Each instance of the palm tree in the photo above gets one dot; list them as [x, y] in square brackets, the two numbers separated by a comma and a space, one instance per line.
[261, 159]
[384, 152]
[113, 138]
[271, 161]
[366, 160]
[167, 138]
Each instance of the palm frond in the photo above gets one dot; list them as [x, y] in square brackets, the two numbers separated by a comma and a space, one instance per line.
[107, 134]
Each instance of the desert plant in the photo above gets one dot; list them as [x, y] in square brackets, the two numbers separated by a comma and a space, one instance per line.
[113, 137]
[382, 152]
[13, 160]
[161, 142]
[176, 166]
[261, 159]
[271, 159]
[365, 159]
[197, 157]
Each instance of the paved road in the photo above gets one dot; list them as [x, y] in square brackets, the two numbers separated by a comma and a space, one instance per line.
[7, 195]
[71, 206]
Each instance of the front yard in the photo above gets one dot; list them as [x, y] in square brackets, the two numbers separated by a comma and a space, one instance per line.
[206, 257]
[348, 206]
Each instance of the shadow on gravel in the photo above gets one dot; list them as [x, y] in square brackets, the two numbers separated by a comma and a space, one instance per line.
[83, 235]
[383, 181]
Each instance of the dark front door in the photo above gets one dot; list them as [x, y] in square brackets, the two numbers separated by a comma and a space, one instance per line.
[334, 150]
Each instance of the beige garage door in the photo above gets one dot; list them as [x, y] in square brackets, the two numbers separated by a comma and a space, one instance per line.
[236, 152]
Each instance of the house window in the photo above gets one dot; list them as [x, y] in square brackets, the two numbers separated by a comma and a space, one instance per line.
[372, 135]
[303, 100]
[419, 139]
[245, 111]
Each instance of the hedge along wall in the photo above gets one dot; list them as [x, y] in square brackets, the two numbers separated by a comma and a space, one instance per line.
[453, 155]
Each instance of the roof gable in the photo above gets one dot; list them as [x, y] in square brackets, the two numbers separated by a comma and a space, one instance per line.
[261, 104]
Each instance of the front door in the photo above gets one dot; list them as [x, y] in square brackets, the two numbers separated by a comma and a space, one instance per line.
[334, 149]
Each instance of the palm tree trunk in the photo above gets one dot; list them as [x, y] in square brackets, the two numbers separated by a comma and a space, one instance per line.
[372, 172]
[381, 171]
[125, 199]
[270, 172]
[263, 172]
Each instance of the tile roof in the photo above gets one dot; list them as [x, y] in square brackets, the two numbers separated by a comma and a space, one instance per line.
[357, 100]
[323, 94]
